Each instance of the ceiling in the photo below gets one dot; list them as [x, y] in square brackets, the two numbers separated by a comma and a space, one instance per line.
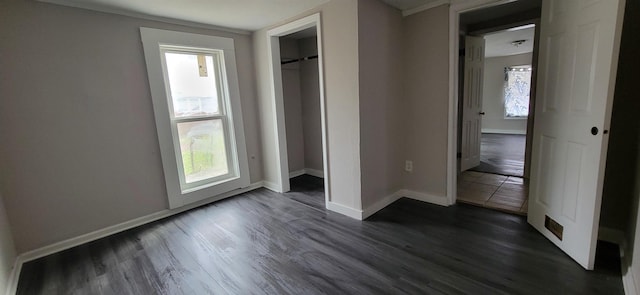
[248, 15]
[499, 43]
[244, 15]
[498, 11]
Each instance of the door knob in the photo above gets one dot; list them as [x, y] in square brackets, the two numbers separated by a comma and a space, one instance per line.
[594, 130]
[481, 113]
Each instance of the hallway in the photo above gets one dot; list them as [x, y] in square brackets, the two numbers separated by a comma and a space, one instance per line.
[502, 154]
[503, 193]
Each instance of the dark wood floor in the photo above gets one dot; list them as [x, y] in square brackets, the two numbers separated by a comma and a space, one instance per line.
[268, 243]
[502, 154]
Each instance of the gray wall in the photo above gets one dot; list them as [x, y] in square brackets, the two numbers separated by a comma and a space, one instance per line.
[621, 171]
[621, 193]
[80, 150]
[7, 249]
[493, 95]
[632, 230]
[622, 175]
[310, 95]
[292, 104]
[380, 54]
[426, 99]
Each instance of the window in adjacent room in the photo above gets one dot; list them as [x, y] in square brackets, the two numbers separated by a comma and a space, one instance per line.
[516, 91]
[195, 95]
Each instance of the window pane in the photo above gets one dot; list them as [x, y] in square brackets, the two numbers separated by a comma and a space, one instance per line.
[516, 91]
[193, 84]
[203, 149]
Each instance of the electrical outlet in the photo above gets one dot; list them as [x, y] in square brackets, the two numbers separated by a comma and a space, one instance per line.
[408, 166]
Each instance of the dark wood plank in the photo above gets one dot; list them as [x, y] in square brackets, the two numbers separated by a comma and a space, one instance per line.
[502, 154]
[267, 243]
[308, 190]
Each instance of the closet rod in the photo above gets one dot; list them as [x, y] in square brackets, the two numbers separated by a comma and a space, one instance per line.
[297, 60]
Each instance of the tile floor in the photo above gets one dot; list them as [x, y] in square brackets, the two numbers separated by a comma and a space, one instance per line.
[504, 193]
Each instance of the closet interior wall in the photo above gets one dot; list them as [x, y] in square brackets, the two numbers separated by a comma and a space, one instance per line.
[300, 84]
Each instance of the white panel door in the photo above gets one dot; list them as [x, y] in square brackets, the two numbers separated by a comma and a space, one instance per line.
[579, 42]
[472, 102]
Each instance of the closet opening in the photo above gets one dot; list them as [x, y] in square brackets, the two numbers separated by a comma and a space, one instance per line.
[299, 111]
[301, 97]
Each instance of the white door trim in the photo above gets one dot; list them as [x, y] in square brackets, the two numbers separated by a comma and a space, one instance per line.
[452, 139]
[275, 82]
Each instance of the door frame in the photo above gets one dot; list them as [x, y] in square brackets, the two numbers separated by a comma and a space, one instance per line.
[454, 43]
[277, 101]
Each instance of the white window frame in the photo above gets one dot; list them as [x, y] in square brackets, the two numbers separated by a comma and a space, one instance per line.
[504, 100]
[156, 43]
[223, 115]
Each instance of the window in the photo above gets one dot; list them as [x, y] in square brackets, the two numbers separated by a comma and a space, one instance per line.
[516, 91]
[193, 81]
[195, 95]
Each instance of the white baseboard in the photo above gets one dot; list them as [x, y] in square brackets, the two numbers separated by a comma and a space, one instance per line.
[114, 229]
[314, 172]
[344, 210]
[293, 174]
[504, 131]
[388, 200]
[272, 186]
[424, 197]
[381, 204]
[309, 171]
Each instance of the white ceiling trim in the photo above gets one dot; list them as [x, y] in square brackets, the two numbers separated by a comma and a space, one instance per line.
[424, 7]
[123, 12]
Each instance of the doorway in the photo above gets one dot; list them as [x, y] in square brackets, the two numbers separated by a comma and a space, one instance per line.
[493, 116]
[570, 136]
[299, 106]
[301, 96]
[507, 87]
